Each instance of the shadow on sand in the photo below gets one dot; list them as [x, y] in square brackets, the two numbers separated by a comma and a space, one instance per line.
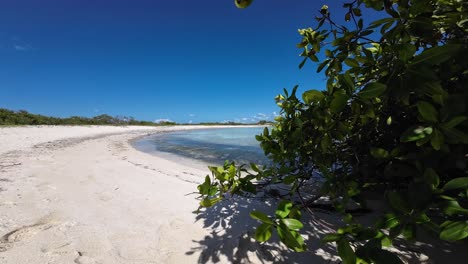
[232, 230]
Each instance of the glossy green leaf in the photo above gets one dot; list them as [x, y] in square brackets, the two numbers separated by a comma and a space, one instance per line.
[261, 217]
[388, 221]
[413, 133]
[457, 183]
[290, 238]
[284, 207]
[453, 208]
[291, 223]
[372, 90]
[345, 252]
[263, 232]
[243, 3]
[312, 96]
[210, 202]
[453, 231]
[386, 241]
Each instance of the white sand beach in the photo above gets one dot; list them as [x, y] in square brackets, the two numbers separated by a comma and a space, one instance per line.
[83, 194]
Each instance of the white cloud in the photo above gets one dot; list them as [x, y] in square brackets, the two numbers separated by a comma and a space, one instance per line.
[190, 122]
[191, 115]
[274, 113]
[162, 120]
[21, 47]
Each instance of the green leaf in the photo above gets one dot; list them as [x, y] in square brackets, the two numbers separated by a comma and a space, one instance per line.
[453, 208]
[357, 11]
[397, 202]
[291, 223]
[232, 171]
[205, 187]
[351, 62]
[437, 139]
[322, 65]
[453, 231]
[284, 207]
[427, 111]
[389, 120]
[312, 96]
[454, 121]
[388, 221]
[302, 63]
[436, 55]
[292, 239]
[386, 241]
[415, 133]
[382, 21]
[346, 81]
[406, 51]
[339, 101]
[210, 202]
[457, 183]
[346, 252]
[332, 237]
[263, 232]
[243, 3]
[379, 153]
[372, 90]
[261, 217]
[254, 167]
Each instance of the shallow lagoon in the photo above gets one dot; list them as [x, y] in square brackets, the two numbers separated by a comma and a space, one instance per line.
[213, 146]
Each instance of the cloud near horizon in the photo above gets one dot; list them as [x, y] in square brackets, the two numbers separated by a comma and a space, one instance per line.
[162, 120]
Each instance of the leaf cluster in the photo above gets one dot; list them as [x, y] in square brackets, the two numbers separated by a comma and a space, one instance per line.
[390, 125]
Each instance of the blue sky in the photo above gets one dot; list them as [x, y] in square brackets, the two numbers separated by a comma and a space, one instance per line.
[182, 60]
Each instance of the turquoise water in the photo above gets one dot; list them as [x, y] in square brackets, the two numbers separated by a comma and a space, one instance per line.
[210, 145]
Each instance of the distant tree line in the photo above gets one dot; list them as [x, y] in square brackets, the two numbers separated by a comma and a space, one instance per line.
[22, 117]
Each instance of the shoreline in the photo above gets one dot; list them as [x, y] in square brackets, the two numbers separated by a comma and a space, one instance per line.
[85, 195]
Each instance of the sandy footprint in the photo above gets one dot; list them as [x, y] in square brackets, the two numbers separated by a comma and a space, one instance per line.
[82, 259]
[7, 241]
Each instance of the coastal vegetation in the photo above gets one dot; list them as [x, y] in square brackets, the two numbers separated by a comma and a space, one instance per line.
[390, 125]
[22, 117]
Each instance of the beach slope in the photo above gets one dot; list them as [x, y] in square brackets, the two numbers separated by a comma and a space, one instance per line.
[84, 195]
